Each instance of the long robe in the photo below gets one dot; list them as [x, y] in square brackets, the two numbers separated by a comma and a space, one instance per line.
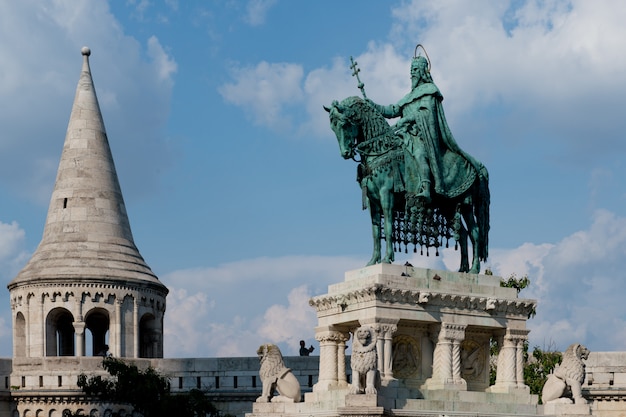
[423, 122]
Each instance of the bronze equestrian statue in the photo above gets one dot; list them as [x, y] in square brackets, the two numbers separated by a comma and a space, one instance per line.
[421, 188]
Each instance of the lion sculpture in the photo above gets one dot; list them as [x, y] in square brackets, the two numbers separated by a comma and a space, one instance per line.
[276, 377]
[568, 376]
[365, 377]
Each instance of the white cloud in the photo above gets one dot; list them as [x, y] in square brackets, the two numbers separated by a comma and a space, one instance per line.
[40, 50]
[186, 312]
[517, 59]
[13, 254]
[383, 71]
[256, 11]
[166, 66]
[291, 323]
[265, 90]
[526, 58]
[577, 282]
[231, 309]
[578, 285]
[11, 236]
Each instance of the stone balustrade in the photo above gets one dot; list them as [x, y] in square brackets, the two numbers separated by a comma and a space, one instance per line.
[232, 384]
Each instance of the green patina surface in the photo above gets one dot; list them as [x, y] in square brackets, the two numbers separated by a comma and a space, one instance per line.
[421, 188]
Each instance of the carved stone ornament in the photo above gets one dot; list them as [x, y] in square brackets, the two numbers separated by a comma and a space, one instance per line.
[365, 377]
[407, 357]
[379, 292]
[472, 360]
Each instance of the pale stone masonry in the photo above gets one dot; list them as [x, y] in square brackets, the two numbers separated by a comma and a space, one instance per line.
[436, 318]
[86, 291]
[87, 273]
[233, 384]
[87, 286]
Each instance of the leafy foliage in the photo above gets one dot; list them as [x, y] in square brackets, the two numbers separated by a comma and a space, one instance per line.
[538, 367]
[514, 282]
[147, 391]
[519, 284]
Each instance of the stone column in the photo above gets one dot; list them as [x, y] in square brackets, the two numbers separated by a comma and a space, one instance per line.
[380, 349]
[342, 379]
[456, 362]
[510, 371]
[447, 357]
[79, 329]
[117, 348]
[329, 339]
[42, 331]
[27, 327]
[519, 363]
[135, 327]
[384, 333]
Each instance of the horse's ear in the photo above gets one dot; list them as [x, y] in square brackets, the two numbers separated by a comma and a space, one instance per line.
[326, 108]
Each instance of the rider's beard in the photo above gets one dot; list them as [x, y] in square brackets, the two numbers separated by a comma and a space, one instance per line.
[414, 81]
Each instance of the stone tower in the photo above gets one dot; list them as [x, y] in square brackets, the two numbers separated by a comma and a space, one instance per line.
[86, 287]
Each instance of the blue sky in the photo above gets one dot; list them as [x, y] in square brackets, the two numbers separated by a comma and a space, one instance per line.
[236, 192]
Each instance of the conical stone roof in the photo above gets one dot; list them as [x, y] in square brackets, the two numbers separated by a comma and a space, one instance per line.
[87, 235]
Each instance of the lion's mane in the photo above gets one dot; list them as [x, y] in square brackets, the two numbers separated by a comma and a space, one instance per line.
[272, 364]
[364, 357]
[573, 366]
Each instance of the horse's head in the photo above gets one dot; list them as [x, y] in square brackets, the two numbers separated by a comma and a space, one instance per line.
[343, 123]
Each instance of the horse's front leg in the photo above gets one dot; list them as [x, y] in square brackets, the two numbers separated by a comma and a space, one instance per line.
[386, 202]
[375, 216]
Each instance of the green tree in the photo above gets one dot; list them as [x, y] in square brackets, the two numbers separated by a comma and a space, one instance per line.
[538, 367]
[147, 391]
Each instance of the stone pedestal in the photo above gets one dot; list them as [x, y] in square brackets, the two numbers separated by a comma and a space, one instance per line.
[567, 410]
[361, 405]
[432, 333]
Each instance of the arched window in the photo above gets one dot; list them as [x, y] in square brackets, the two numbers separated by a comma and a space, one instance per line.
[148, 337]
[60, 337]
[97, 322]
[20, 335]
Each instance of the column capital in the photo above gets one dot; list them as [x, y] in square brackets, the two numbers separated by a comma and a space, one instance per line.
[329, 334]
[385, 330]
[516, 335]
[451, 332]
[79, 327]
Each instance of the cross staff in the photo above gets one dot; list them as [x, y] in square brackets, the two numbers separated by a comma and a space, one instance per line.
[355, 73]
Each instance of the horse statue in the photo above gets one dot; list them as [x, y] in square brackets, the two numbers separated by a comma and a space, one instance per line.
[397, 215]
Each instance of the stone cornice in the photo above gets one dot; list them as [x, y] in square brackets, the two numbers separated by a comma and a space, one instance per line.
[134, 285]
[48, 286]
[77, 290]
[425, 298]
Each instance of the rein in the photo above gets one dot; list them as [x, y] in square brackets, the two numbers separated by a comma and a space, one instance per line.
[359, 147]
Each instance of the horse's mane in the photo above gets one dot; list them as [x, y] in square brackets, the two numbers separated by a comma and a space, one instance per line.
[372, 121]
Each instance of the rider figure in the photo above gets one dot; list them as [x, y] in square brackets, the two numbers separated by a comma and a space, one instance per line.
[425, 134]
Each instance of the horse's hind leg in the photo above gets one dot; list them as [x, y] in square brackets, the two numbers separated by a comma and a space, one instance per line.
[472, 229]
[464, 252]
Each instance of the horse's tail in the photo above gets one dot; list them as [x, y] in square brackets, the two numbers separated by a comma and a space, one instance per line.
[481, 211]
